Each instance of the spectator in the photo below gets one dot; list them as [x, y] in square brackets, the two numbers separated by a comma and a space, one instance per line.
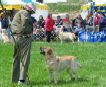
[96, 19]
[102, 22]
[89, 19]
[33, 20]
[78, 29]
[58, 21]
[49, 27]
[41, 22]
[79, 21]
[4, 26]
[67, 24]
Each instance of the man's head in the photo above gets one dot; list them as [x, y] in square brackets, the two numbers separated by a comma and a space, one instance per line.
[30, 7]
[67, 17]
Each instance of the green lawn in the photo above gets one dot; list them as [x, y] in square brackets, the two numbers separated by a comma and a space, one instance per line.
[92, 57]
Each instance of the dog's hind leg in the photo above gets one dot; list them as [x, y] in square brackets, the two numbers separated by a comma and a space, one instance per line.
[61, 40]
[72, 70]
[55, 77]
[50, 77]
[74, 66]
[72, 74]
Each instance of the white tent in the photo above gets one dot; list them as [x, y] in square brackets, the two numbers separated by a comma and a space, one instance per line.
[99, 1]
[41, 9]
[9, 5]
[54, 1]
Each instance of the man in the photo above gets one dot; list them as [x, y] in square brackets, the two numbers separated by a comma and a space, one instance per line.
[49, 27]
[22, 28]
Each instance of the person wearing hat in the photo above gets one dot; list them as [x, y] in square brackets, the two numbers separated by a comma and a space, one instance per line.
[22, 28]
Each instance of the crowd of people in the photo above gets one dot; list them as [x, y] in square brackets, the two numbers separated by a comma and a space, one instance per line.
[98, 20]
[46, 28]
[93, 22]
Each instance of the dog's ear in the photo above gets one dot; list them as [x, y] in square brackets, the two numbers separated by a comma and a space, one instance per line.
[49, 52]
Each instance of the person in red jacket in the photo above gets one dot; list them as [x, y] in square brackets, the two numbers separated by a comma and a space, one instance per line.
[49, 27]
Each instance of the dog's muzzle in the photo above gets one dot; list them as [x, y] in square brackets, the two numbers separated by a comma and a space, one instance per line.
[43, 53]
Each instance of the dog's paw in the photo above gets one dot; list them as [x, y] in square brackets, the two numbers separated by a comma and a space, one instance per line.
[73, 79]
[50, 81]
[55, 82]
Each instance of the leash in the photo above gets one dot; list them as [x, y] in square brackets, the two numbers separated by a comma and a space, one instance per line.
[4, 10]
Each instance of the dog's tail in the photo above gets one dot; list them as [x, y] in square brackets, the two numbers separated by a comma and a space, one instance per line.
[75, 64]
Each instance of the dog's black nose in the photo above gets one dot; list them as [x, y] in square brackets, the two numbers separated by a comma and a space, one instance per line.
[43, 53]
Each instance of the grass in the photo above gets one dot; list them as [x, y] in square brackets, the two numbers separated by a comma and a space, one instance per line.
[92, 57]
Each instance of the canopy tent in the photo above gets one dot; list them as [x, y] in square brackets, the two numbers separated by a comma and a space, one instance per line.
[41, 9]
[99, 6]
[13, 4]
[17, 4]
[99, 1]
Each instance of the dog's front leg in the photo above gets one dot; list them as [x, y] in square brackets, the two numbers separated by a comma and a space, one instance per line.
[61, 41]
[50, 76]
[72, 41]
[55, 77]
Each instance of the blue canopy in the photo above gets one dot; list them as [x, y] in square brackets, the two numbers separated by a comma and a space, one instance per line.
[27, 1]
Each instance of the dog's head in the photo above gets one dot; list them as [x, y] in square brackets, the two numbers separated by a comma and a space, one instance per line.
[46, 51]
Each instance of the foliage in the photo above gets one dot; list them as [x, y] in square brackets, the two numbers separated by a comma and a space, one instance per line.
[56, 8]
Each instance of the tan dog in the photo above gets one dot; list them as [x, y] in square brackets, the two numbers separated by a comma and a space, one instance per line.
[56, 63]
[66, 36]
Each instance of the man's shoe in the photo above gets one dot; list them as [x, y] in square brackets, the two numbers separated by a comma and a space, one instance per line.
[22, 83]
